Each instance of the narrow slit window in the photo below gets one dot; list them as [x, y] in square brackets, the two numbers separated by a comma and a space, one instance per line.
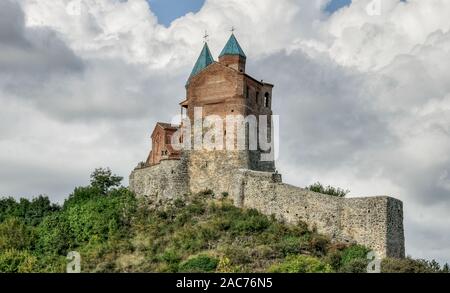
[267, 100]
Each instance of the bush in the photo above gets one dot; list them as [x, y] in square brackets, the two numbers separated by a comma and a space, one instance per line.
[179, 203]
[172, 259]
[409, 265]
[171, 256]
[199, 264]
[318, 187]
[446, 268]
[207, 193]
[333, 258]
[250, 221]
[301, 264]
[319, 244]
[225, 266]
[353, 252]
[357, 265]
[291, 244]
[237, 255]
[187, 239]
[17, 261]
[95, 217]
[196, 208]
[14, 234]
[54, 235]
[352, 259]
[88, 223]
[47, 263]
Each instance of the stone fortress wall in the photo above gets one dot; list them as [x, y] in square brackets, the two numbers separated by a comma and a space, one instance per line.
[162, 182]
[216, 170]
[376, 222]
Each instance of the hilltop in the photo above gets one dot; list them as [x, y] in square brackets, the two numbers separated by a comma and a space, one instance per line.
[116, 232]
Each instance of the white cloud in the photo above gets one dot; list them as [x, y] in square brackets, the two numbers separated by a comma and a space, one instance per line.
[371, 42]
[364, 100]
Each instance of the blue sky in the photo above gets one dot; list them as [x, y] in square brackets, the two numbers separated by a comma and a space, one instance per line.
[169, 10]
[336, 4]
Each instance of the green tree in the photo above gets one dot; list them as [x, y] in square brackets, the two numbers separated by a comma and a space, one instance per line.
[8, 208]
[31, 212]
[54, 236]
[81, 195]
[97, 217]
[35, 210]
[103, 179]
[15, 234]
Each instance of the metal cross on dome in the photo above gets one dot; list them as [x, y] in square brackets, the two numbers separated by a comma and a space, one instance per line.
[232, 29]
[206, 36]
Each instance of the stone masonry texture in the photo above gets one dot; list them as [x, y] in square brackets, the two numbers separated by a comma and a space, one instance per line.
[160, 183]
[376, 222]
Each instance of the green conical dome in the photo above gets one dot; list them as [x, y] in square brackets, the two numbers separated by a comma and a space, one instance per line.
[232, 48]
[203, 61]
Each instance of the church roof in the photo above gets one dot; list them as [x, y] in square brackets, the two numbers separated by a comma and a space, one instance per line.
[167, 125]
[203, 61]
[164, 126]
[232, 48]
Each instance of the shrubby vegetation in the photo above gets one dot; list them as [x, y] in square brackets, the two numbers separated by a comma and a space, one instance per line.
[301, 264]
[409, 265]
[115, 232]
[330, 190]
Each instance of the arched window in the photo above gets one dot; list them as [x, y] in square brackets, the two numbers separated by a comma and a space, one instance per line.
[267, 100]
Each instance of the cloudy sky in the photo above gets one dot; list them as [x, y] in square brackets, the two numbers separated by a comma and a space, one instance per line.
[363, 92]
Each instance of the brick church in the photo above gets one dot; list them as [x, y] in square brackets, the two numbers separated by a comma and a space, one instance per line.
[223, 88]
[219, 88]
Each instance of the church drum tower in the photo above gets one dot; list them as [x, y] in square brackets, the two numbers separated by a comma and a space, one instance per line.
[224, 89]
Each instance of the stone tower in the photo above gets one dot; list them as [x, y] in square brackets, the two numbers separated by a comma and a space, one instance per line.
[223, 89]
